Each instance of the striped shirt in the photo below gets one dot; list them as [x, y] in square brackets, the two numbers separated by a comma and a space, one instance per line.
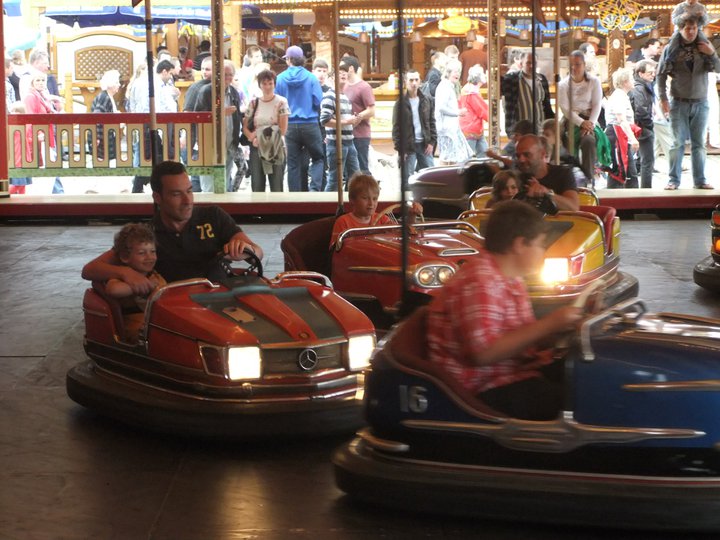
[327, 112]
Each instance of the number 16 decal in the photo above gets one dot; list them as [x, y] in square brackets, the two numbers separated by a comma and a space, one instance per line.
[412, 399]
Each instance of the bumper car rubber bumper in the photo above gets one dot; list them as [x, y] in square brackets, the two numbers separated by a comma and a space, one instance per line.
[628, 502]
[178, 414]
[706, 274]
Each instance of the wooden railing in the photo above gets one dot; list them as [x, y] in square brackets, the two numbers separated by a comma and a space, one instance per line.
[82, 144]
[83, 92]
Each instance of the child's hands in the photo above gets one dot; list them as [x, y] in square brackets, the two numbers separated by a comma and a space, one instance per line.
[416, 208]
[705, 48]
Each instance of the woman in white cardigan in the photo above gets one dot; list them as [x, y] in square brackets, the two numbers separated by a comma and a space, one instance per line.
[452, 146]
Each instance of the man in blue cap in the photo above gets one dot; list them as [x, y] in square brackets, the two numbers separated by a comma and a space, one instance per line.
[303, 93]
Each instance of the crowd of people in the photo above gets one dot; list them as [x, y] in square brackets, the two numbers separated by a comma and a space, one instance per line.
[31, 89]
[282, 129]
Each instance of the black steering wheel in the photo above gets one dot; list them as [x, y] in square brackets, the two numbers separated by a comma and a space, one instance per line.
[225, 265]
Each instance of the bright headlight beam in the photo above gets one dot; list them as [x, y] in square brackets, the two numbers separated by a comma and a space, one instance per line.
[555, 270]
[359, 350]
[244, 363]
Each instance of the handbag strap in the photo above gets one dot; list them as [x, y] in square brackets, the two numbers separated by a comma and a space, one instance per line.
[255, 108]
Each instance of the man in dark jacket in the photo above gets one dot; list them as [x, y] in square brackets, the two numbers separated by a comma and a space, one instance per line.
[642, 97]
[419, 126]
[193, 103]
[233, 119]
[434, 74]
[517, 91]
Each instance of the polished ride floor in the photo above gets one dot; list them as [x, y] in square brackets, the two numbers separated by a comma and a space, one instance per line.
[68, 473]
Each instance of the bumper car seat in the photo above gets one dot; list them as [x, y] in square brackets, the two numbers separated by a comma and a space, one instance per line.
[308, 247]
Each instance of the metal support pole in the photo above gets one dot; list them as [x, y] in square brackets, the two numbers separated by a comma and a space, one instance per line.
[218, 88]
[339, 170]
[155, 150]
[4, 172]
[493, 40]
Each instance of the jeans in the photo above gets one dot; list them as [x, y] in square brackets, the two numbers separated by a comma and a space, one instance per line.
[647, 157]
[229, 162]
[258, 178]
[349, 163]
[479, 146]
[207, 183]
[298, 137]
[362, 145]
[136, 151]
[688, 121]
[58, 186]
[418, 160]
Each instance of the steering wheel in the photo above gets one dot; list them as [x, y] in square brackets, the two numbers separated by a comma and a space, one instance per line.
[253, 261]
[250, 257]
[390, 212]
[590, 301]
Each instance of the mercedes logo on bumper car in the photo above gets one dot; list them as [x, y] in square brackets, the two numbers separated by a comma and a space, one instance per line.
[307, 360]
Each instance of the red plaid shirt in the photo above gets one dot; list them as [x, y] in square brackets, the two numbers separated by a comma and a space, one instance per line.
[475, 308]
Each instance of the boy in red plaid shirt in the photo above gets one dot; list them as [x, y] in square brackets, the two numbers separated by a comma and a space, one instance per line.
[481, 326]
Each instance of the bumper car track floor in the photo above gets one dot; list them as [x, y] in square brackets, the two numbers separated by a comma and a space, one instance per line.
[70, 473]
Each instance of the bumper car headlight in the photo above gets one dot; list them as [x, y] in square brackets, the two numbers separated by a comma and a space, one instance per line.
[426, 276]
[433, 275]
[359, 350]
[244, 363]
[444, 274]
[555, 271]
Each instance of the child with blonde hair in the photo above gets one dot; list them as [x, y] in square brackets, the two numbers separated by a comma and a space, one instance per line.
[363, 193]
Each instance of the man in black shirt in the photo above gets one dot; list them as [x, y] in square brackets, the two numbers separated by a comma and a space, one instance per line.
[188, 238]
[543, 178]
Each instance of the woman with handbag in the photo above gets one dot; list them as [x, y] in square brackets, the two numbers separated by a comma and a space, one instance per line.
[622, 131]
[265, 125]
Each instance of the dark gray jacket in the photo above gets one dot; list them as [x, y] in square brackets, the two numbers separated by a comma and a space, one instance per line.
[642, 98]
[427, 122]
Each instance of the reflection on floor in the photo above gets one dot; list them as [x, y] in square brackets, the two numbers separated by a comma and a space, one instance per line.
[67, 473]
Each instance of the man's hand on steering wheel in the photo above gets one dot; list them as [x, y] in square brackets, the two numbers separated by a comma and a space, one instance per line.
[223, 261]
[238, 244]
[565, 318]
